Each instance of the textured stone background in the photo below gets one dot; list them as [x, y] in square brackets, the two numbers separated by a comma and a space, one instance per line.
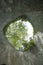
[11, 9]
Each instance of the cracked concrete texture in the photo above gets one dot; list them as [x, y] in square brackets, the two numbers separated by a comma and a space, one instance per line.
[11, 9]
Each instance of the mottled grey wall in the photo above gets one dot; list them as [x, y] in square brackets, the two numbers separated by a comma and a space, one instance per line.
[11, 9]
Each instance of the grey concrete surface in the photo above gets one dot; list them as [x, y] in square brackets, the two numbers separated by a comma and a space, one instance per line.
[11, 9]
